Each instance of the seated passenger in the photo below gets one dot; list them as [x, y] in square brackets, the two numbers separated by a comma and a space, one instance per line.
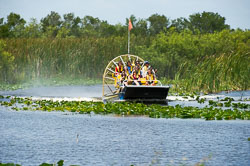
[137, 63]
[145, 69]
[119, 68]
[150, 78]
[129, 67]
[124, 77]
[126, 71]
[138, 67]
[135, 76]
[138, 70]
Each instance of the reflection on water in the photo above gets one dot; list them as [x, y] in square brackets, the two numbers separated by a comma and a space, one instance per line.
[30, 138]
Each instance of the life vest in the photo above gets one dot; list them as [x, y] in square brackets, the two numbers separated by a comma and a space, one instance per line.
[130, 69]
[136, 76]
[150, 77]
[118, 69]
[126, 75]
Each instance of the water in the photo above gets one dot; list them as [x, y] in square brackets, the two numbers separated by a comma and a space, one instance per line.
[32, 137]
[58, 91]
[238, 96]
[94, 93]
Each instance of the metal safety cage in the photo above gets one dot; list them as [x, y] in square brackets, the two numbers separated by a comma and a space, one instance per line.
[111, 86]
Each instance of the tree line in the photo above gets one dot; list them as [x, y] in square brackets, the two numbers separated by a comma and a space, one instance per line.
[69, 25]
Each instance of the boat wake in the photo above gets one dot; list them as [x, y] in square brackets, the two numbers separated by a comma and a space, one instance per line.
[59, 93]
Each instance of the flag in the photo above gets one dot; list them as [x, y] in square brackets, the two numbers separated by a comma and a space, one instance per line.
[130, 26]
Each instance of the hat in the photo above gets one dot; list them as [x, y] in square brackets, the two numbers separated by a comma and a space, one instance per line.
[146, 62]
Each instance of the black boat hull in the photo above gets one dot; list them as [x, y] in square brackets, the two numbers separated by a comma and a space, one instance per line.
[145, 94]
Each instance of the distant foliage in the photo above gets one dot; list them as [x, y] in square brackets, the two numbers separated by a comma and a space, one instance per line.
[6, 64]
[207, 61]
[69, 25]
[198, 53]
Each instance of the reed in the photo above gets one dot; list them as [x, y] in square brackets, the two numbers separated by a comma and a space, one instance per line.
[194, 62]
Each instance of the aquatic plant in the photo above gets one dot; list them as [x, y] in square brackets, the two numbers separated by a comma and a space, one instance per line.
[59, 163]
[129, 108]
[9, 164]
[228, 103]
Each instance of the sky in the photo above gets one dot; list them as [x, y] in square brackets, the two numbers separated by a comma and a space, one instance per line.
[236, 12]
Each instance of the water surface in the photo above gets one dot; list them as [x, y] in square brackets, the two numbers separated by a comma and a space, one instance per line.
[31, 138]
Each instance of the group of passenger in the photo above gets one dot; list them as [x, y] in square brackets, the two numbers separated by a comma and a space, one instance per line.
[135, 74]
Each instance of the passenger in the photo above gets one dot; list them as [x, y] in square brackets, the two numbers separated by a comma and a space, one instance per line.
[129, 79]
[124, 76]
[145, 69]
[150, 78]
[135, 76]
[129, 67]
[119, 68]
[137, 63]
[138, 67]
[138, 70]
[126, 72]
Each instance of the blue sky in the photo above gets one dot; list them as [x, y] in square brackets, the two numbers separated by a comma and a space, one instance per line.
[237, 12]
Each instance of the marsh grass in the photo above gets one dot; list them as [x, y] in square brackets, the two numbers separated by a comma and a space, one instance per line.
[190, 62]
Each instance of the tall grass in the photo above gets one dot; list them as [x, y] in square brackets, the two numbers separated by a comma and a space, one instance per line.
[45, 58]
[211, 62]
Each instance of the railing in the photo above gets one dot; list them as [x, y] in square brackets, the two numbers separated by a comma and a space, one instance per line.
[121, 82]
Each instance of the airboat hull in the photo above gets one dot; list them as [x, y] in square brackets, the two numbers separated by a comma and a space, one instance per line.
[145, 94]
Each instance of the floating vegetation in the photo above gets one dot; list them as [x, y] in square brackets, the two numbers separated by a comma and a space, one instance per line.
[59, 163]
[129, 108]
[228, 103]
[9, 164]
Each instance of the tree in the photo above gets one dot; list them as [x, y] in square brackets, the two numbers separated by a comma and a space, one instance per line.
[180, 24]
[120, 29]
[4, 30]
[132, 19]
[90, 25]
[141, 27]
[71, 23]
[91, 22]
[107, 30]
[14, 27]
[207, 22]
[33, 29]
[157, 23]
[14, 20]
[51, 24]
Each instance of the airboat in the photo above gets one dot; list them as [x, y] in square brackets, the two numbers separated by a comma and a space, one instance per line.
[114, 90]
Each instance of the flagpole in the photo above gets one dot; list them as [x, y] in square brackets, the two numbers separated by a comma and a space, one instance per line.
[130, 26]
[128, 39]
